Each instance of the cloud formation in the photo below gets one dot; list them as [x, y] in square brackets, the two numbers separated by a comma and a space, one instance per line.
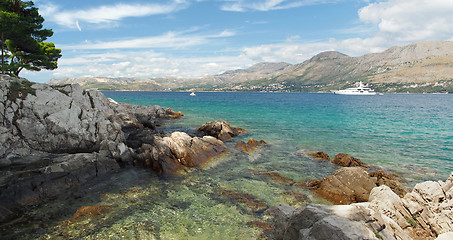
[108, 13]
[173, 40]
[405, 21]
[381, 24]
[267, 5]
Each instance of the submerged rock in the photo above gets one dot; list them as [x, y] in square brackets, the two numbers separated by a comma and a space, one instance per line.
[46, 176]
[320, 155]
[345, 160]
[221, 130]
[86, 212]
[251, 146]
[246, 198]
[276, 177]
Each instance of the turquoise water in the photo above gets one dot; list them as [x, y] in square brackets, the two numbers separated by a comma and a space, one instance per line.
[411, 135]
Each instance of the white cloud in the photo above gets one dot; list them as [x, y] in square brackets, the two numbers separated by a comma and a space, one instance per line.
[267, 5]
[147, 64]
[395, 22]
[167, 40]
[383, 23]
[405, 21]
[108, 13]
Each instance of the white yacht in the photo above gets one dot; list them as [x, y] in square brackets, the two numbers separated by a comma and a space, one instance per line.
[360, 90]
[193, 94]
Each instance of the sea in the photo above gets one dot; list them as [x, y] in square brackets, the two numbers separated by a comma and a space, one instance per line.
[407, 134]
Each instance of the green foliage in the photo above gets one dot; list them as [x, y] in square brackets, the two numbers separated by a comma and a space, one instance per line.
[20, 90]
[23, 38]
[411, 221]
[378, 235]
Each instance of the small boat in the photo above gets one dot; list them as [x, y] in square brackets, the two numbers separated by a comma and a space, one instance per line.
[193, 94]
[360, 90]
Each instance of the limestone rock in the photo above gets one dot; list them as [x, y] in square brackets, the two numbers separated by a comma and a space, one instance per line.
[56, 137]
[424, 213]
[391, 180]
[432, 204]
[327, 222]
[383, 199]
[178, 151]
[221, 130]
[344, 186]
[445, 236]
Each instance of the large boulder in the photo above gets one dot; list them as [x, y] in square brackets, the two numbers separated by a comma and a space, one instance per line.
[322, 222]
[345, 186]
[57, 120]
[221, 130]
[178, 152]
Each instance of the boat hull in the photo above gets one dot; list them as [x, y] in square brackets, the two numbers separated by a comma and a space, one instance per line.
[354, 93]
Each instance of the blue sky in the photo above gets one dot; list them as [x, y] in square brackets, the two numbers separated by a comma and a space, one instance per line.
[195, 38]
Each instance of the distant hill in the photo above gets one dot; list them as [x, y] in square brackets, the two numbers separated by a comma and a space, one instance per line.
[417, 67]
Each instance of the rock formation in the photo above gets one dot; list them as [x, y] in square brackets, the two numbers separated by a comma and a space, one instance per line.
[344, 186]
[353, 184]
[221, 130]
[424, 213]
[177, 152]
[53, 138]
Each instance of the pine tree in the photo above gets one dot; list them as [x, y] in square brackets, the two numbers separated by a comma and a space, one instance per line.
[22, 39]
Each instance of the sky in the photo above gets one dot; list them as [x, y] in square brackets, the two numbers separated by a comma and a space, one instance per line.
[196, 38]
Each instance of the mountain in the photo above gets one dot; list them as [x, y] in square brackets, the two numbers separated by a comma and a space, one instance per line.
[417, 67]
[257, 71]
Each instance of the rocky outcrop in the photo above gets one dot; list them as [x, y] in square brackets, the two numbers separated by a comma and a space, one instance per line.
[251, 146]
[424, 213]
[221, 130]
[344, 186]
[177, 152]
[54, 138]
[345, 160]
[353, 184]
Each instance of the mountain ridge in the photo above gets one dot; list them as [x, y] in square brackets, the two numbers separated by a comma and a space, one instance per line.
[416, 67]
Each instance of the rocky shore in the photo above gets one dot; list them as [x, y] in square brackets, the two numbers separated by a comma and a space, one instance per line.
[54, 138]
[379, 207]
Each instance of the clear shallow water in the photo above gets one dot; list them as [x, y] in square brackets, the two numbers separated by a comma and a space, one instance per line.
[411, 135]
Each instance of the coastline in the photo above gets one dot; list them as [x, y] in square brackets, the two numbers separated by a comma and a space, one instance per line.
[109, 156]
